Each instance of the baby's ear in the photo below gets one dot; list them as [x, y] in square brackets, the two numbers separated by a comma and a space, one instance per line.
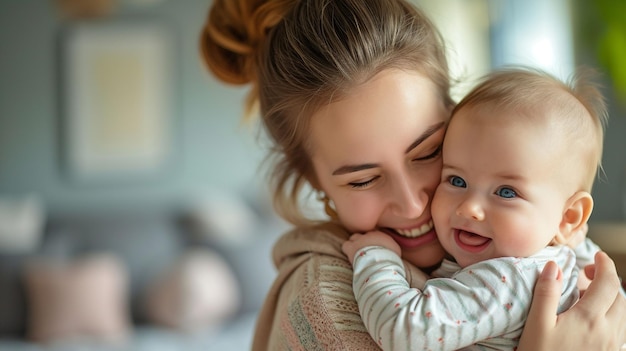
[575, 215]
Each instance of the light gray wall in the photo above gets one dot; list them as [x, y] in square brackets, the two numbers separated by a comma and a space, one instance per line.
[212, 150]
[610, 188]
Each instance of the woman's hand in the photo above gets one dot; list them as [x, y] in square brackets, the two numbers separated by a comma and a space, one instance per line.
[596, 322]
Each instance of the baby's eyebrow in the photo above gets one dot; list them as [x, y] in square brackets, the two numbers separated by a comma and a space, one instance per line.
[420, 139]
[510, 176]
[448, 169]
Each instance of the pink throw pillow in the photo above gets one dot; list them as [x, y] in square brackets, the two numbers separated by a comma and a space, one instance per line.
[198, 292]
[83, 299]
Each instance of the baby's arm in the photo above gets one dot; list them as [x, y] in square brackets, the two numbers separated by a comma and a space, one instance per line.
[478, 304]
[373, 238]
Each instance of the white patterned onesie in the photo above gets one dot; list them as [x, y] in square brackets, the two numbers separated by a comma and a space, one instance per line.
[480, 307]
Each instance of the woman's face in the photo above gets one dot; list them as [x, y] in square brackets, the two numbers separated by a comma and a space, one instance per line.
[377, 156]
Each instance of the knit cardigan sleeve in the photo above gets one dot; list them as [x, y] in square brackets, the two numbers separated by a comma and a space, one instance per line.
[311, 304]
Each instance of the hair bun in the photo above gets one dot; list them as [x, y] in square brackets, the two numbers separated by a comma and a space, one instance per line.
[234, 34]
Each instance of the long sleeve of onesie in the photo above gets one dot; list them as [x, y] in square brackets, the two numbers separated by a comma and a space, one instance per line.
[486, 303]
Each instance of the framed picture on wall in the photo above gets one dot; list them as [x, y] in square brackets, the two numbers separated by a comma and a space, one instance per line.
[118, 100]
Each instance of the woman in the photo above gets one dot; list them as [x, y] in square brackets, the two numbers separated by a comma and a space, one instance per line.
[355, 96]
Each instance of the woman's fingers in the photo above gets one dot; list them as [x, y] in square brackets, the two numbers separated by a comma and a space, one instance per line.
[539, 328]
[545, 299]
[603, 305]
[601, 294]
[596, 322]
[617, 312]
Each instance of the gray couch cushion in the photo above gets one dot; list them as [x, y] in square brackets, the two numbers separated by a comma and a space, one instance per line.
[146, 244]
[12, 304]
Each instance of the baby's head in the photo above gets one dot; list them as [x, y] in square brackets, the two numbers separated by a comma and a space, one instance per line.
[519, 159]
[572, 113]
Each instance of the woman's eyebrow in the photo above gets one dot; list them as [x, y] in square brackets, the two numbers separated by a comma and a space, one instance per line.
[420, 139]
[354, 168]
[427, 133]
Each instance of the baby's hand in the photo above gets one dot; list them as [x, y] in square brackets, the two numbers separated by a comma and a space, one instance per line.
[373, 238]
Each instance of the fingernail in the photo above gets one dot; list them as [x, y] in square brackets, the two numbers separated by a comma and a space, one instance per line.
[550, 271]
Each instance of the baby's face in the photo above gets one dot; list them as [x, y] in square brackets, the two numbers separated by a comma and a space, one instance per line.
[499, 193]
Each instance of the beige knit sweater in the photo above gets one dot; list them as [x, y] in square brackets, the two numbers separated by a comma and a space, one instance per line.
[311, 304]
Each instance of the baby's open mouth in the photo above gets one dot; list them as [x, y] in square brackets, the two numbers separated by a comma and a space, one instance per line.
[470, 241]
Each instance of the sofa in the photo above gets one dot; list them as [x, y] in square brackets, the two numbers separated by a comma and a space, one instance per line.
[153, 280]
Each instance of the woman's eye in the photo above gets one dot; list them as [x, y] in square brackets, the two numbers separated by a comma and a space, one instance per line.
[430, 156]
[364, 184]
[506, 193]
[457, 182]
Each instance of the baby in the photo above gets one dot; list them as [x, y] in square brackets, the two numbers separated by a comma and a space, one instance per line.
[520, 156]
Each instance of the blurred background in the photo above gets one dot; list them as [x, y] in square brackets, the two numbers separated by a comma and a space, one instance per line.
[127, 176]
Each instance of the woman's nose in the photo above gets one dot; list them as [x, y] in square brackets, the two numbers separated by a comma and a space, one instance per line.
[471, 208]
[409, 199]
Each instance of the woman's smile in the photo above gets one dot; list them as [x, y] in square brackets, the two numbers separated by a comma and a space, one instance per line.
[413, 237]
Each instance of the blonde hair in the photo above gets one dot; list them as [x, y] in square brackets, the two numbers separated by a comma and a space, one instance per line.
[577, 103]
[300, 55]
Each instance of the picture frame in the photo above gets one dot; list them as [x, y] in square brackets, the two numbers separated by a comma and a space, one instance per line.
[118, 100]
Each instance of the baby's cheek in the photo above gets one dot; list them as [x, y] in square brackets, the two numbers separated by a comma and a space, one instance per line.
[441, 209]
[521, 245]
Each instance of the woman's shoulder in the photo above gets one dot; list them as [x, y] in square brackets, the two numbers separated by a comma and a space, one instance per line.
[323, 239]
[315, 253]
[320, 306]
[314, 291]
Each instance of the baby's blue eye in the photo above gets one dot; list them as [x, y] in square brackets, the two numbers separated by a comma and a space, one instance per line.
[457, 181]
[506, 193]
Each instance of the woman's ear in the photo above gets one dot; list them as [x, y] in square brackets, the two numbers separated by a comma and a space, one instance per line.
[575, 215]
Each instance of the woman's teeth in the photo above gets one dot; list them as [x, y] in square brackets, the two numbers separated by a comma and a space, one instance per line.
[415, 232]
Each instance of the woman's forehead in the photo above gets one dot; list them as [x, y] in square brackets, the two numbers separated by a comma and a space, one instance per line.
[386, 114]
